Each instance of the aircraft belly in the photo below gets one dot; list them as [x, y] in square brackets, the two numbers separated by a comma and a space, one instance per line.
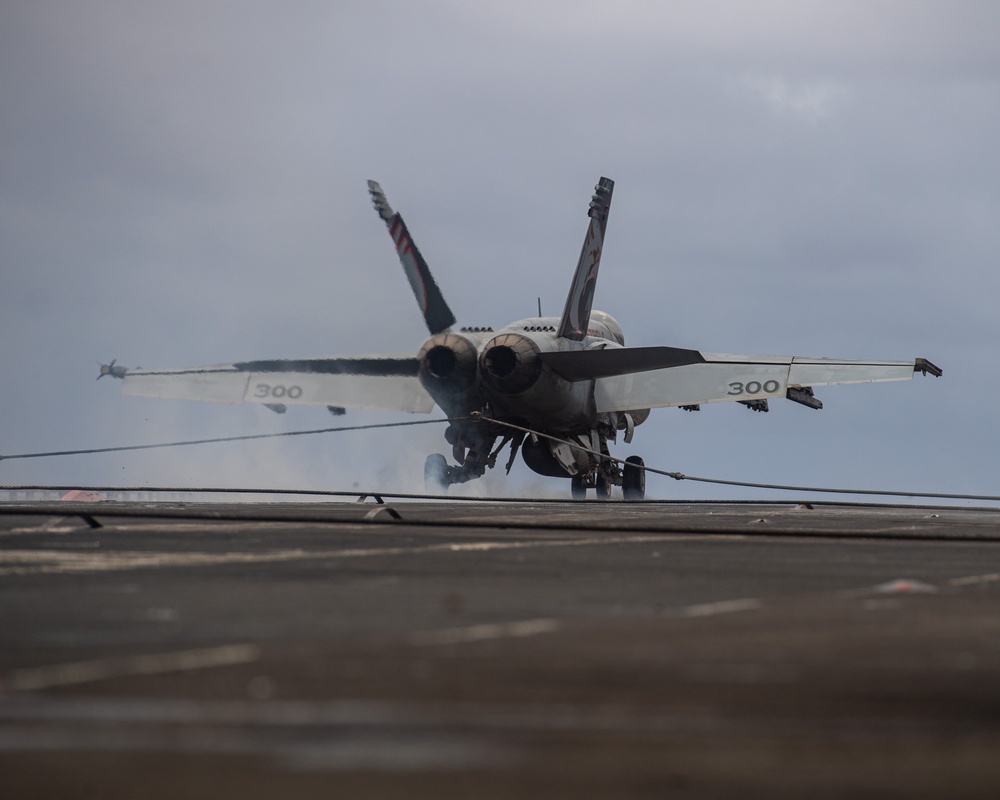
[552, 404]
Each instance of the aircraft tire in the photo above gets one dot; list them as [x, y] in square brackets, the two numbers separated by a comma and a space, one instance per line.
[578, 489]
[634, 479]
[436, 474]
[603, 488]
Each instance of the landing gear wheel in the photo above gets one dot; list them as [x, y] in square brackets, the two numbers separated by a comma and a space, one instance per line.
[436, 474]
[578, 489]
[634, 479]
[603, 488]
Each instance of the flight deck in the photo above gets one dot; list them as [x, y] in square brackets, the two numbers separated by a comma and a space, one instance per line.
[441, 649]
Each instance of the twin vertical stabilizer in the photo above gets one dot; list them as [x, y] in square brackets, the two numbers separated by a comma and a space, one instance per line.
[439, 317]
[576, 315]
[432, 304]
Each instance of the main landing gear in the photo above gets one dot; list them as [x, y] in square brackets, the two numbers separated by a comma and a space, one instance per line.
[476, 450]
[439, 475]
[436, 474]
[632, 478]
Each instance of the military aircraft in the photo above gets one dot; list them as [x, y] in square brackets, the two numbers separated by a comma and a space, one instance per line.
[555, 389]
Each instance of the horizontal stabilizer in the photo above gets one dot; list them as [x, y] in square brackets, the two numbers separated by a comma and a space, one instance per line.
[584, 365]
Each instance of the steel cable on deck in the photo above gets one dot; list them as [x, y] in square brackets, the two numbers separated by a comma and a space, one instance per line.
[679, 476]
[227, 439]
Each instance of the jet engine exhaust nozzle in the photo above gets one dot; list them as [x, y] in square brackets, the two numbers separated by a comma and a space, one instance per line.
[448, 362]
[510, 363]
[440, 361]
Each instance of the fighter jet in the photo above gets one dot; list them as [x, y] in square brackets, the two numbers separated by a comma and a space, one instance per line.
[558, 390]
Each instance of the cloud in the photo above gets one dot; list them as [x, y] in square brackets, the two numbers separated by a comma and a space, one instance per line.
[185, 184]
[809, 101]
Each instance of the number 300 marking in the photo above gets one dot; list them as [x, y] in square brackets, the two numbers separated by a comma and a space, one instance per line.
[265, 390]
[753, 387]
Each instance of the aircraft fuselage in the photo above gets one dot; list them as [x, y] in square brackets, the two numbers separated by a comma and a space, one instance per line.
[471, 370]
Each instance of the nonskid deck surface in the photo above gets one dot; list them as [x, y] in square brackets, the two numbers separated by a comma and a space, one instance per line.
[494, 649]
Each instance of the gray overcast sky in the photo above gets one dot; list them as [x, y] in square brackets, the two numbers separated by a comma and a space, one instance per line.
[184, 183]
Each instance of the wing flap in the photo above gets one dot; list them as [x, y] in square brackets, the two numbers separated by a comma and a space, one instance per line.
[387, 384]
[222, 384]
[828, 371]
[730, 377]
[379, 392]
[692, 384]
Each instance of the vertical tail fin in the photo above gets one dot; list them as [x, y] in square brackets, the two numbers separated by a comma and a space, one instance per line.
[576, 315]
[432, 304]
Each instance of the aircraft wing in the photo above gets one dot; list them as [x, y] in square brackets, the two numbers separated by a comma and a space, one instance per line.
[723, 377]
[383, 383]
